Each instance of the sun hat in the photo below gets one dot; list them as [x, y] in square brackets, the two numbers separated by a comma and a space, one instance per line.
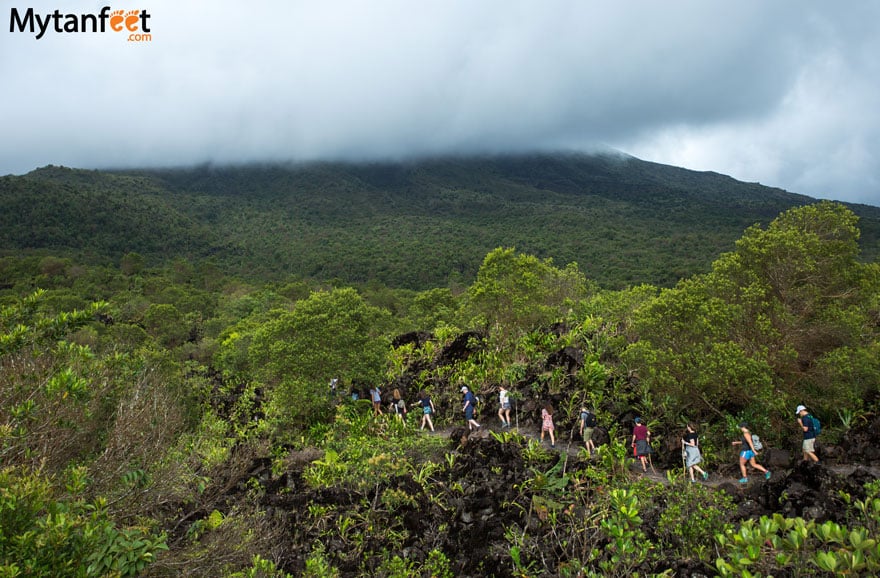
[463, 388]
[799, 409]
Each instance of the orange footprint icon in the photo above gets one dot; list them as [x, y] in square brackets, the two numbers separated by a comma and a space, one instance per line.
[131, 20]
[116, 20]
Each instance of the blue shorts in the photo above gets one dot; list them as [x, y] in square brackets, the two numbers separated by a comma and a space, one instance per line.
[747, 454]
[469, 413]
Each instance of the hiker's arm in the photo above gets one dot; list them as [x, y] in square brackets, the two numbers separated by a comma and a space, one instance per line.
[801, 422]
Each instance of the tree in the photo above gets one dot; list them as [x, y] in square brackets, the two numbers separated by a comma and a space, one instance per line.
[515, 293]
[781, 320]
[330, 334]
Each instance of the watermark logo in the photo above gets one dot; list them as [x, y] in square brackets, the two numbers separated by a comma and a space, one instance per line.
[135, 23]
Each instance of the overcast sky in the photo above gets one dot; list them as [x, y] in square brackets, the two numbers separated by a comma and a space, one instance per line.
[786, 93]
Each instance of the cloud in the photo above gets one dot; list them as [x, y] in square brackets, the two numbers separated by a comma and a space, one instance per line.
[783, 93]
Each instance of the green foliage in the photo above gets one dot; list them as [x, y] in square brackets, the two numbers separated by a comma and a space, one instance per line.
[362, 451]
[330, 334]
[691, 516]
[516, 293]
[317, 565]
[416, 225]
[44, 535]
[261, 568]
[784, 319]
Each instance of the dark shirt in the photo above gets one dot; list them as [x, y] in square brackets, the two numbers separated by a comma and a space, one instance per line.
[811, 429]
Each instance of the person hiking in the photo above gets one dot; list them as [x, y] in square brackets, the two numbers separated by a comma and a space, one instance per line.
[547, 424]
[376, 397]
[641, 441]
[692, 455]
[504, 406]
[470, 402]
[398, 405]
[748, 453]
[588, 422]
[427, 410]
[808, 425]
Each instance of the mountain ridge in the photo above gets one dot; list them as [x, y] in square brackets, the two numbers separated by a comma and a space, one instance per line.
[412, 224]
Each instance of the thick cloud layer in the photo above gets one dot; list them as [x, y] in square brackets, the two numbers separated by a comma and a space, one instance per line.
[785, 93]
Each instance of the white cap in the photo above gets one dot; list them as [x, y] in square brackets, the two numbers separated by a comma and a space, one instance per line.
[463, 388]
[799, 409]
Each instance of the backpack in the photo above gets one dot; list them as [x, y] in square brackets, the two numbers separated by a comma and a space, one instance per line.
[756, 441]
[590, 419]
[817, 427]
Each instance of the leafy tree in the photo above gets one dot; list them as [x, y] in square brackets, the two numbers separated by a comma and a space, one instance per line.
[131, 263]
[787, 316]
[515, 293]
[330, 334]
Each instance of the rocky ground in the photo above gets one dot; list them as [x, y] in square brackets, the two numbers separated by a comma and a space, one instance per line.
[486, 493]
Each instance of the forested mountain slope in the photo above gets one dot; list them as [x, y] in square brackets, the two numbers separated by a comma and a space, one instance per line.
[406, 224]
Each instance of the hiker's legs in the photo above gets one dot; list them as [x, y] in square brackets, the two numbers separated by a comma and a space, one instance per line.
[810, 450]
[430, 421]
[757, 466]
[552, 438]
[644, 461]
[742, 466]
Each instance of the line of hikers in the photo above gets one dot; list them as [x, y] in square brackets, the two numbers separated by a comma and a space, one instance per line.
[750, 444]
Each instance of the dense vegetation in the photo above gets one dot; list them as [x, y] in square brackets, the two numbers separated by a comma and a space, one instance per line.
[174, 420]
[413, 225]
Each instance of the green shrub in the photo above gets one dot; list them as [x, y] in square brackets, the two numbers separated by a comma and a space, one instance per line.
[41, 535]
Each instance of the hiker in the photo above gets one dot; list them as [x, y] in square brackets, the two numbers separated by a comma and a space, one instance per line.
[470, 401]
[547, 424]
[588, 422]
[748, 454]
[376, 397]
[504, 407]
[399, 405]
[808, 425]
[427, 410]
[641, 441]
[692, 455]
[333, 383]
[355, 394]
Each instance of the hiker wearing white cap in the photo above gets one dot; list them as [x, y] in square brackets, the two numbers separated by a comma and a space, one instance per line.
[808, 426]
[470, 401]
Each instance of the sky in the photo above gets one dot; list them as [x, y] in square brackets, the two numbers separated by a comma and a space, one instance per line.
[785, 93]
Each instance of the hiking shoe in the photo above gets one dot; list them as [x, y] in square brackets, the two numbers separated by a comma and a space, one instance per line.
[552, 445]
[744, 480]
[767, 475]
[705, 476]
